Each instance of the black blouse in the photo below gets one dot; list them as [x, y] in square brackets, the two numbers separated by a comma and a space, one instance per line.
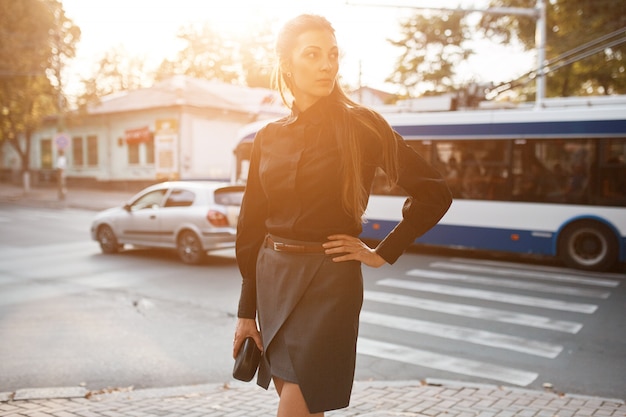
[294, 190]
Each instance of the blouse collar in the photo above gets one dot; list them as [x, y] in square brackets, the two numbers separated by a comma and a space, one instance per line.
[313, 115]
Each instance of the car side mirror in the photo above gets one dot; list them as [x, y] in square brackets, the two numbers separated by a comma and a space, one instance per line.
[127, 207]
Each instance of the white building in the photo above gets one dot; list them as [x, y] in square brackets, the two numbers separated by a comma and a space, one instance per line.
[179, 128]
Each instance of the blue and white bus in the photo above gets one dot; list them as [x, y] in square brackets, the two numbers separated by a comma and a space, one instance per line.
[549, 181]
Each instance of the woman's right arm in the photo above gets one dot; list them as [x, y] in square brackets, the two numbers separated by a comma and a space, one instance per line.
[250, 236]
[250, 233]
[246, 328]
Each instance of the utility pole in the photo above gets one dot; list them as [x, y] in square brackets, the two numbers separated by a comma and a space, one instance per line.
[61, 139]
[538, 13]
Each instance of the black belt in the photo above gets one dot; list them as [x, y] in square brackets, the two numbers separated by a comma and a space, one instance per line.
[290, 247]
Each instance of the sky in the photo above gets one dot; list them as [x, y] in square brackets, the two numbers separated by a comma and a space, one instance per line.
[147, 29]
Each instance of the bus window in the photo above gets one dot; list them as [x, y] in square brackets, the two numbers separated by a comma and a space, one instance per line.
[380, 184]
[552, 170]
[449, 165]
[483, 169]
[612, 173]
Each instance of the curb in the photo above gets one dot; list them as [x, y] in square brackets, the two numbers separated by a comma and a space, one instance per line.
[48, 393]
[192, 390]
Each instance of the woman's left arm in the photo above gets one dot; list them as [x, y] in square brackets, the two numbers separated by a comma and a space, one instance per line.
[428, 200]
[352, 248]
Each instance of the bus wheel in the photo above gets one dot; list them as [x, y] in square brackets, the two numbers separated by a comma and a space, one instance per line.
[588, 245]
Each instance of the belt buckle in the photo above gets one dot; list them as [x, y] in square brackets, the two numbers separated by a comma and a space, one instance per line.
[278, 246]
[287, 247]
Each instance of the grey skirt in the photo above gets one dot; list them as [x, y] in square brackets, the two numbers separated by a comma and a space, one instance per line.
[308, 311]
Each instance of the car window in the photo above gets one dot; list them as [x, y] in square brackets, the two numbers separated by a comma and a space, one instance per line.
[180, 198]
[229, 196]
[152, 199]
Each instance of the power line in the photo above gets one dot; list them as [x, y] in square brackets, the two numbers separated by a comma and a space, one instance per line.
[574, 55]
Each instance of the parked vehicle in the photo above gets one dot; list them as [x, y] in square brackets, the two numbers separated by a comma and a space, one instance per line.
[192, 217]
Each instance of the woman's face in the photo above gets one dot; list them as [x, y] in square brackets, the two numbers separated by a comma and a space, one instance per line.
[313, 67]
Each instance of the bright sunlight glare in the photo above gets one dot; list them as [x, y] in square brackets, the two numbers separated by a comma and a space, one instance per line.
[147, 29]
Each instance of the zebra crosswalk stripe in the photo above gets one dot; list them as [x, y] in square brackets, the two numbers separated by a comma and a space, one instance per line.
[491, 296]
[474, 336]
[442, 362]
[466, 310]
[509, 283]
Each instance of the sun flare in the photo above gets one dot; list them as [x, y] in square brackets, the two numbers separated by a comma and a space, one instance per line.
[147, 29]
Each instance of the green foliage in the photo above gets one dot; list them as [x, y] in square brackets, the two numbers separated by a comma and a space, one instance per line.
[432, 49]
[209, 54]
[257, 56]
[433, 46]
[116, 71]
[571, 24]
[37, 39]
[206, 54]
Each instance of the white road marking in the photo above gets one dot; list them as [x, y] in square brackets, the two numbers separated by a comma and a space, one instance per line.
[478, 337]
[466, 310]
[540, 274]
[441, 362]
[544, 272]
[491, 296]
[508, 283]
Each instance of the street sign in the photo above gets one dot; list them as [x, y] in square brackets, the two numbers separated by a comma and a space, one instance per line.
[62, 140]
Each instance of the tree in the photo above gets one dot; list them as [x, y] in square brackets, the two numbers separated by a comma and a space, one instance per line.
[432, 49]
[37, 40]
[116, 71]
[257, 55]
[583, 49]
[209, 54]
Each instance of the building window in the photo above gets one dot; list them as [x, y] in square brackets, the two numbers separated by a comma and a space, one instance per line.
[78, 159]
[92, 150]
[133, 153]
[150, 152]
[46, 154]
[140, 143]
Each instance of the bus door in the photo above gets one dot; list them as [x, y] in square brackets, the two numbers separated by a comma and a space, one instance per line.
[611, 173]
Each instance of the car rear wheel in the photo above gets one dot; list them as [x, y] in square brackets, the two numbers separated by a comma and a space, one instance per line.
[588, 245]
[189, 248]
[107, 239]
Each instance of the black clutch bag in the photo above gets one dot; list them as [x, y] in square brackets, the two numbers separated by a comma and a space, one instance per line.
[247, 361]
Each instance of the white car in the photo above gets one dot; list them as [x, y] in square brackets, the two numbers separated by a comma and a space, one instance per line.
[192, 217]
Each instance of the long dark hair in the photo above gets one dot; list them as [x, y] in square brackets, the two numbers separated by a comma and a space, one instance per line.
[354, 196]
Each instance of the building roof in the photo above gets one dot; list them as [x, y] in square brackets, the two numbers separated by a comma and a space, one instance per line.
[364, 95]
[181, 90]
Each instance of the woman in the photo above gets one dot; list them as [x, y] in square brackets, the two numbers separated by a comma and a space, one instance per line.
[297, 242]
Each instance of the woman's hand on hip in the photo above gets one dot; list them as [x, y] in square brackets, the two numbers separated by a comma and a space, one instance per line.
[246, 328]
[352, 248]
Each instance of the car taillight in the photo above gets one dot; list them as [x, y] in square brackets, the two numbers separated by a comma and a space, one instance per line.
[217, 219]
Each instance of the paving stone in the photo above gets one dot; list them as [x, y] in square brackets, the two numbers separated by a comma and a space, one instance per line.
[370, 399]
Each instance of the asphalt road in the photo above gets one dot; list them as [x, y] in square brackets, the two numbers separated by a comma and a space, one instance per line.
[70, 315]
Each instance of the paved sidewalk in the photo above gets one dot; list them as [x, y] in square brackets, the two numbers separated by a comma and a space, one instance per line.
[369, 399]
[90, 199]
